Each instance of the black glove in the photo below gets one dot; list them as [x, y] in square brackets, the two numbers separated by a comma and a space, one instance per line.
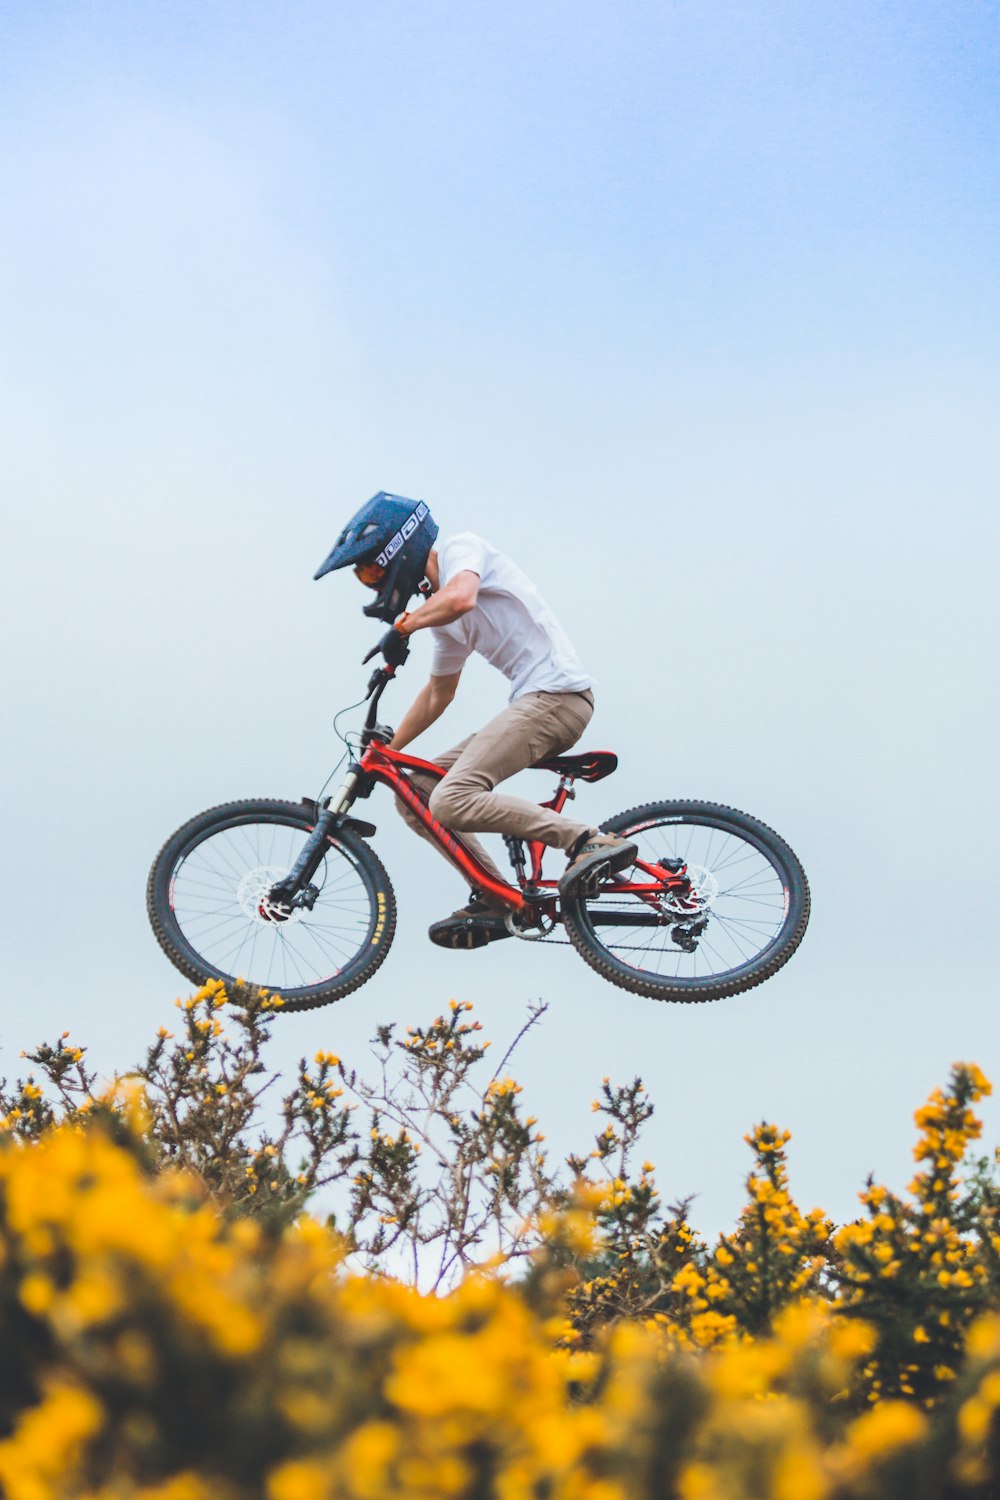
[394, 647]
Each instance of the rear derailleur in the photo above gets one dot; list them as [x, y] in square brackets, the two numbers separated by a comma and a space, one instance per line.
[686, 933]
[686, 926]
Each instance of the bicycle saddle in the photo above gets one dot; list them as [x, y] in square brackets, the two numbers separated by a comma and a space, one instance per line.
[591, 766]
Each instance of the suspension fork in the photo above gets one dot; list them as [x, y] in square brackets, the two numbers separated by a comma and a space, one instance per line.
[343, 798]
[328, 820]
[357, 783]
[297, 882]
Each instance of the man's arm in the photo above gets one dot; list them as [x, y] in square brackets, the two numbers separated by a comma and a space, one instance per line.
[449, 603]
[427, 707]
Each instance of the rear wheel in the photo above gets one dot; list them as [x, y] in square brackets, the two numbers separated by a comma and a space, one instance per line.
[739, 915]
[208, 904]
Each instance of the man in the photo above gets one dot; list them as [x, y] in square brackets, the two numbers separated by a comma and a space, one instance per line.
[476, 599]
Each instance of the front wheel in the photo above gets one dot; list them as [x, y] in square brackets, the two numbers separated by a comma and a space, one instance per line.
[731, 908]
[207, 899]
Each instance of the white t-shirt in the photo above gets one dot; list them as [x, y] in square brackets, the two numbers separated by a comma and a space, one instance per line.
[510, 624]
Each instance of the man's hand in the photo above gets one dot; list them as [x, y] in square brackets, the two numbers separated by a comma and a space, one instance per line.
[394, 647]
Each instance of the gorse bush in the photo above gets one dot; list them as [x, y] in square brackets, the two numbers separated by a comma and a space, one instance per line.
[431, 1170]
[471, 1321]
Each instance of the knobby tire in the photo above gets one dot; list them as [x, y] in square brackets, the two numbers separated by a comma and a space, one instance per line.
[376, 922]
[578, 912]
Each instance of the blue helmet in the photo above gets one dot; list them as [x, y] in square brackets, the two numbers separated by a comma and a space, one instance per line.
[397, 534]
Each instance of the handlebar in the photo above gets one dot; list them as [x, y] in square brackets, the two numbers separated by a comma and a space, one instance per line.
[377, 684]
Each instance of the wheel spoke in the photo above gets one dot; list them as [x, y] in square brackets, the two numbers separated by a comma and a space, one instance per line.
[744, 907]
[219, 889]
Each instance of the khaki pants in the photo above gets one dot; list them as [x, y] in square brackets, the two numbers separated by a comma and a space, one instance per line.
[531, 728]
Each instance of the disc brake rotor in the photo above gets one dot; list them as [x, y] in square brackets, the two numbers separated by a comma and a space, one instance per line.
[704, 890]
[252, 891]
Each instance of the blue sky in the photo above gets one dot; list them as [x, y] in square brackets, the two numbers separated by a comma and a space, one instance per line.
[693, 310]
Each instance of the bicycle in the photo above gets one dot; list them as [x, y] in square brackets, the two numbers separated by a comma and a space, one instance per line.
[291, 898]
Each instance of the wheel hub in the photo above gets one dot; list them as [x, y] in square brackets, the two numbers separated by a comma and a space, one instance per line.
[704, 888]
[252, 894]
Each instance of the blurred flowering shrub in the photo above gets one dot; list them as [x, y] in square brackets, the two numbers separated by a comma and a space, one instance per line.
[175, 1325]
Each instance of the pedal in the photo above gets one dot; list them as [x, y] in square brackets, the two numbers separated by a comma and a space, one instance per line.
[589, 886]
[470, 937]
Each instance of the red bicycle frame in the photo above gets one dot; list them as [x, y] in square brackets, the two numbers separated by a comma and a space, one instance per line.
[380, 763]
[387, 766]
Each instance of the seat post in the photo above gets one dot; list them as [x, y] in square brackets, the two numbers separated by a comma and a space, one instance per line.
[564, 793]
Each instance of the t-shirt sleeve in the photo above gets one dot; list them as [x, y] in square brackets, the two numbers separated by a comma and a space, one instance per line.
[464, 553]
[450, 655]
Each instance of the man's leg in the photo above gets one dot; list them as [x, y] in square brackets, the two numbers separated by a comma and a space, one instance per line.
[426, 784]
[532, 728]
[529, 729]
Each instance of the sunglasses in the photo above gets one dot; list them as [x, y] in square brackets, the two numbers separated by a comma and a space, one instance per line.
[370, 573]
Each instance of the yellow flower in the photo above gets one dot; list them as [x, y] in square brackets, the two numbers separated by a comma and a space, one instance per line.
[297, 1481]
[184, 1486]
[976, 1414]
[700, 1481]
[47, 1442]
[889, 1425]
[983, 1338]
[799, 1475]
[92, 1298]
[37, 1293]
[367, 1457]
